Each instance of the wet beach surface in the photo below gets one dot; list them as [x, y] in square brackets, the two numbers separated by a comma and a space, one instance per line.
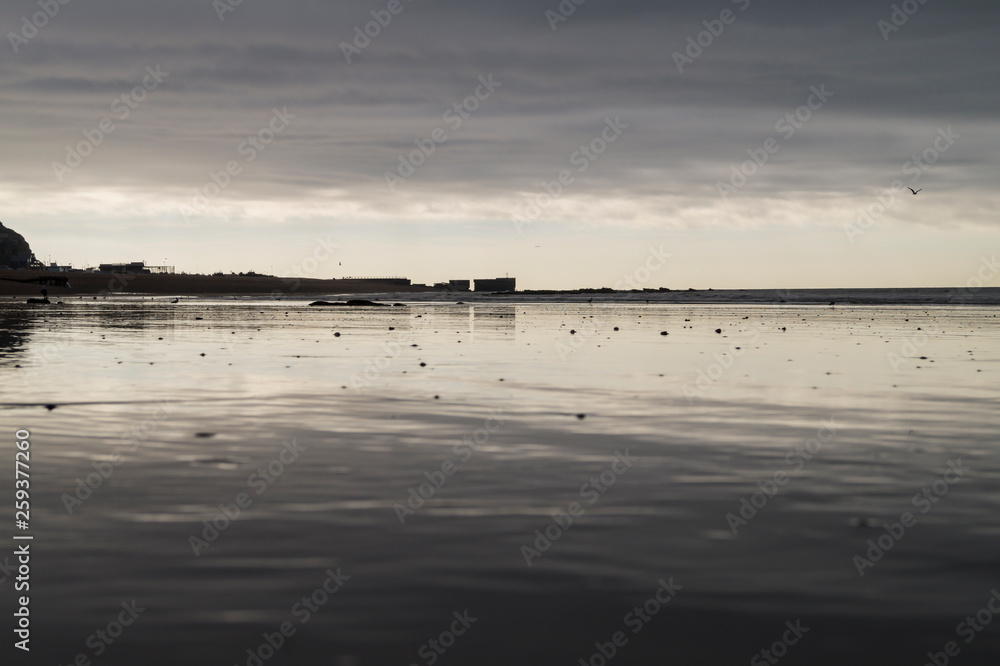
[330, 422]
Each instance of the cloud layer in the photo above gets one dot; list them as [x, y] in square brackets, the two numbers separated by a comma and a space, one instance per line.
[749, 72]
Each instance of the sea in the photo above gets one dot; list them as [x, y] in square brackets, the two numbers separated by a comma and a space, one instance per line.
[771, 477]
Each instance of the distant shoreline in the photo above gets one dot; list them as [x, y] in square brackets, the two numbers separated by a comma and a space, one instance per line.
[87, 284]
[98, 284]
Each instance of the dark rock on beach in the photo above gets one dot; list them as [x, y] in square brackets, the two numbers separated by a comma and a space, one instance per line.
[351, 303]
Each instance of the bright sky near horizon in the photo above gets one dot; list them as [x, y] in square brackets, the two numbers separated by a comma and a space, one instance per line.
[730, 144]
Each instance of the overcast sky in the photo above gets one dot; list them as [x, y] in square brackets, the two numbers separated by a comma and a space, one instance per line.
[650, 132]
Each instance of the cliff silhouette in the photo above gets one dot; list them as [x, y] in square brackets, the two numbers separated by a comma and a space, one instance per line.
[12, 244]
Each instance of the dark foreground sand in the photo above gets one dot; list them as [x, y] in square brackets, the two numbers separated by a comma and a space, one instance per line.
[148, 421]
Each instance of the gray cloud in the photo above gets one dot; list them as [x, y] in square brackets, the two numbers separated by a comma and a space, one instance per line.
[608, 59]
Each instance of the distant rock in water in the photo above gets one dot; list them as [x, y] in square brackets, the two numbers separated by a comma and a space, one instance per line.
[352, 302]
[12, 246]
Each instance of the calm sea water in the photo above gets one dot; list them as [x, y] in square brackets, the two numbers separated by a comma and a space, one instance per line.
[499, 483]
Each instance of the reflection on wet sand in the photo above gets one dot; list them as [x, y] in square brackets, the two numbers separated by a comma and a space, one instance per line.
[15, 330]
[233, 423]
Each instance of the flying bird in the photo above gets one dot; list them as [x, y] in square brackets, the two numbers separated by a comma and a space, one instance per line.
[915, 191]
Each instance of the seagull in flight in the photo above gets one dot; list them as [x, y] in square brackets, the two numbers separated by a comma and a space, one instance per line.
[915, 191]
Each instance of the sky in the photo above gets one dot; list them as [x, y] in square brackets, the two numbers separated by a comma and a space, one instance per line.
[723, 144]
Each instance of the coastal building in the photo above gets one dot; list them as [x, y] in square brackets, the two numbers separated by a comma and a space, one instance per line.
[453, 285]
[24, 260]
[135, 268]
[496, 284]
[394, 280]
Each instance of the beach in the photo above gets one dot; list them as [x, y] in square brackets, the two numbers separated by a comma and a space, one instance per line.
[491, 334]
[508, 480]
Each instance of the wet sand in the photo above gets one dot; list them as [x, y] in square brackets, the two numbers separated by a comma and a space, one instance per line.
[359, 406]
